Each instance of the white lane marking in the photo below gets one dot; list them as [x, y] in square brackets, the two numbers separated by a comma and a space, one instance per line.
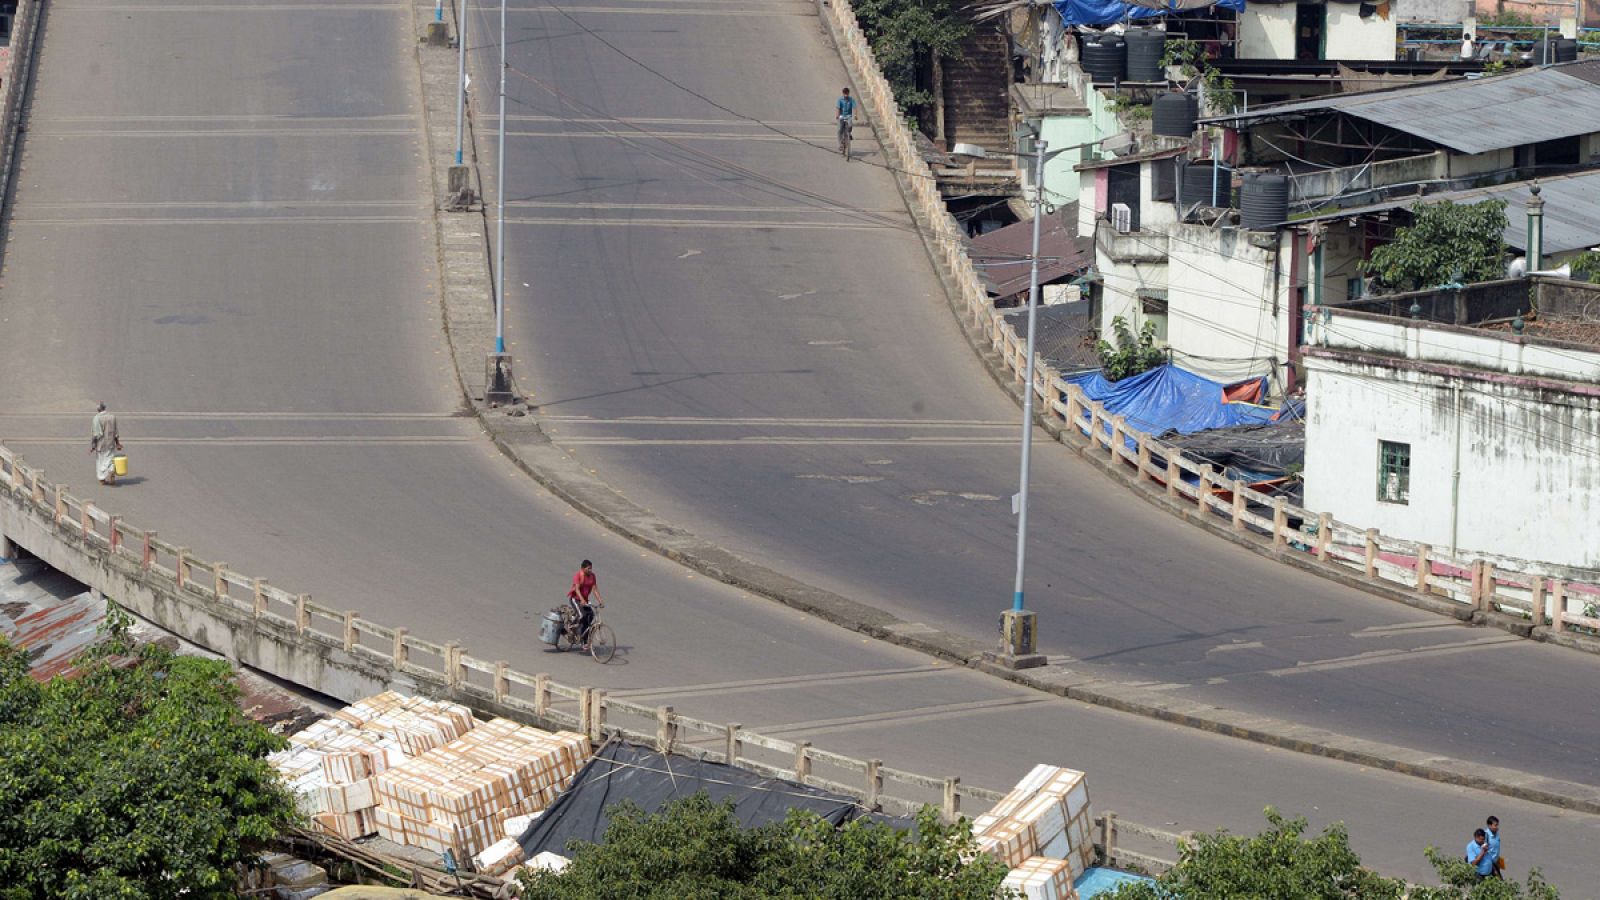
[645, 120]
[785, 442]
[1394, 655]
[696, 207]
[789, 681]
[259, 441]
[570, 222]
[782, 423]
[230, 220]
[231, 416]
[904, 716]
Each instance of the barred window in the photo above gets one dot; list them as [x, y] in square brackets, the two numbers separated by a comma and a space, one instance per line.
[1394, 472]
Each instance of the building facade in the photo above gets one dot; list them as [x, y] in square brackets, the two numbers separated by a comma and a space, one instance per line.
[1478, 441]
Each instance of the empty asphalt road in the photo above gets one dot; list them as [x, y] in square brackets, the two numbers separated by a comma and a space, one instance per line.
[742, 332]
[222, 228]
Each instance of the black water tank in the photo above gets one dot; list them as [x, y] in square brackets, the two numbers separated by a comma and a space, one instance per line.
[1106, 59]
[1264, 201]
[1173, 114]
[1555, 50]
[1145, 47]
[1197, 185]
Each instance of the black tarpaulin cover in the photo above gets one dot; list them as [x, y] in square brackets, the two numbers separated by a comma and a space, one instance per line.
[650, 779]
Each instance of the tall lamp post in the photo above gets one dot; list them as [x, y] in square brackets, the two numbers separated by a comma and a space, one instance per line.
[1018, 626]
[498, 387]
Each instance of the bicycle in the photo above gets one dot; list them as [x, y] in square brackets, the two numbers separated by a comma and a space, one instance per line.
[847, 125]
[602, 640]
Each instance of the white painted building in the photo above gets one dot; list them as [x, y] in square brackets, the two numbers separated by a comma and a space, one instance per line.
[1317, 31]
[1482, 442]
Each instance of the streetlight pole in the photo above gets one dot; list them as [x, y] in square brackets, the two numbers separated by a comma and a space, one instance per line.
[1018, 626]
[500, 203]
[461, 79]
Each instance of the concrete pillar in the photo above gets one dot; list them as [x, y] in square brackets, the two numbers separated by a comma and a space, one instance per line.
[874, 785]
[8, 549]
[665, 728]
[498, 386]
[1424, 567]
[735, 746]
[1535, 256]
[1019, 640]
[951, 801]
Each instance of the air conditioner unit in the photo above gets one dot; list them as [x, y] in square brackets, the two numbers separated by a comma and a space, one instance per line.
[1121, 218]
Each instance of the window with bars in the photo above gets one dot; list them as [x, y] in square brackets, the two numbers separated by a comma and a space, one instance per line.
[1394, 472]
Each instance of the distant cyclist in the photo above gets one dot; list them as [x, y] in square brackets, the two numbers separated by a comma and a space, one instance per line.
[847, 119]
[585, 591]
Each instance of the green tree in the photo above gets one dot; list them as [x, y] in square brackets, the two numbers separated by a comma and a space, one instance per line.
[905, 36]
[1283, 864]
[694, 849]
[130, 781]
[1445, 242]
[1130, 355]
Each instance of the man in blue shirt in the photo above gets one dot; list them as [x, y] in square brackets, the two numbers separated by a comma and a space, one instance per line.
[1479, 855]
[847, 115]
[1493, 827]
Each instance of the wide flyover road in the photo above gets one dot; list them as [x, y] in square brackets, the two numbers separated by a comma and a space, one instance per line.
[742, 332]
[221, 227]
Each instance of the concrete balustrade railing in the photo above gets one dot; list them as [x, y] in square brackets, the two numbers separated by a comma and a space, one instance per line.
[1475, 584]
[340, 653]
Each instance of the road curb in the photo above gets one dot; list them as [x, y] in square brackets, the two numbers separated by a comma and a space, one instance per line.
[516, 433]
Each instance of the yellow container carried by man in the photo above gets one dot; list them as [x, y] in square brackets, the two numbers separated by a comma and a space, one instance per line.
[119, 464]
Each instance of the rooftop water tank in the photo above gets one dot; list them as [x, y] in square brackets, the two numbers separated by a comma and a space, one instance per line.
[1106, 59]
[1145, 47]
[1202, 181]
[1173, 114]
[1555, 50]
[1264, 201]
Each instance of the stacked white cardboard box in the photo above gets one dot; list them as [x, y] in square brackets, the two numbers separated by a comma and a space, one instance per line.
[459, 796]
[330, 764]
[1041, 830]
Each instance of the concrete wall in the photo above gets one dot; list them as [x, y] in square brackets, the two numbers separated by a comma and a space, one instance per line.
[1448, 11]
[1349, 36]
[1226, 300]
[1267, 31]
[1527, 423]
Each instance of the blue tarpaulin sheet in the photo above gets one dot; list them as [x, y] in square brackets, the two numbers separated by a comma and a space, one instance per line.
[1109, 12]
[1168, 398]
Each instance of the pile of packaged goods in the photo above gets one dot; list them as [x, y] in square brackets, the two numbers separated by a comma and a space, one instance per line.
[1041, 830]
[459, 796]
[424, 773]
[330, 764]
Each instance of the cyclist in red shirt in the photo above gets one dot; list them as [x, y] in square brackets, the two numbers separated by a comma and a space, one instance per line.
[585, 591]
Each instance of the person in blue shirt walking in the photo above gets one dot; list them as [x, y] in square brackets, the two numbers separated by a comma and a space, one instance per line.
[847, 118]
[1480, 855]
[1493, 828]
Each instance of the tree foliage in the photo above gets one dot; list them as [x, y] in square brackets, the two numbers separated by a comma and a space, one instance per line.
[1446, 242]
[1282, 863]
[905, 36]
[1130, 355]
[694, 849]
[130, 781]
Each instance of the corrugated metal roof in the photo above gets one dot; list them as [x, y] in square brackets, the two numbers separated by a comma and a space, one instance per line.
[1571, 209]
[1002, 255]
[49, 615]
[1468, 116]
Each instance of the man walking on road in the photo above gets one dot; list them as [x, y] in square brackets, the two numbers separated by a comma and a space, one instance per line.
[104, 442]
[1493, 828]
[1479, 855]
[585, 586]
